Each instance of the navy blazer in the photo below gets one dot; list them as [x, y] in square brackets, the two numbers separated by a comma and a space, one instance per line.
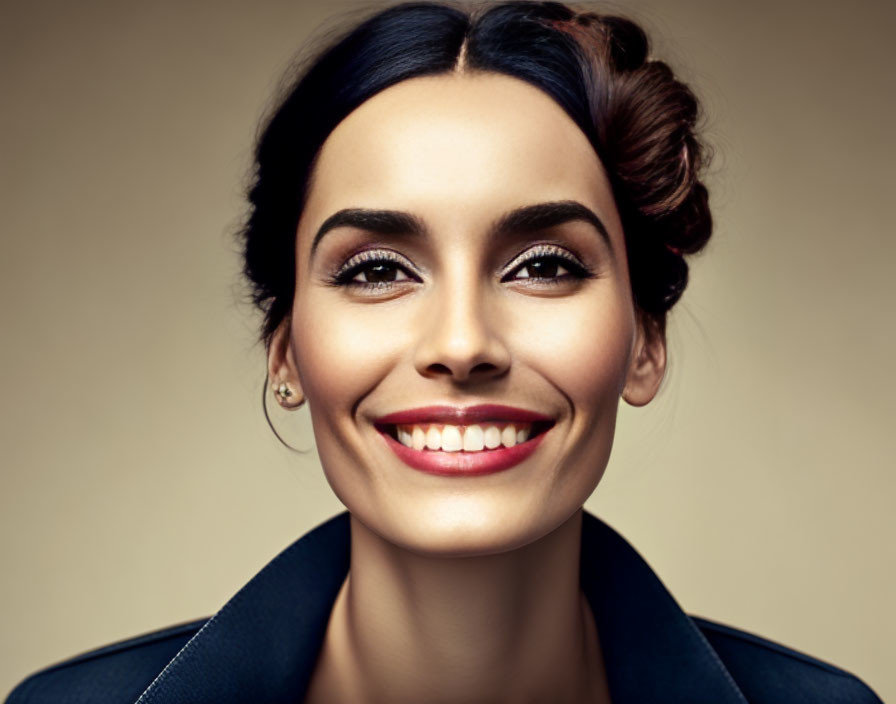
[262, 646]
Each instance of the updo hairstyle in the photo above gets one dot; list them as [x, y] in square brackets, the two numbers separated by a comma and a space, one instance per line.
[639, 118]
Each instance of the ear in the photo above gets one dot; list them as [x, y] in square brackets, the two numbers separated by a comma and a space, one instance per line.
[282, 367]
[648, 363]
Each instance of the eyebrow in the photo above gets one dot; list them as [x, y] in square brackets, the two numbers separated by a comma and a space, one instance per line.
[529, 218]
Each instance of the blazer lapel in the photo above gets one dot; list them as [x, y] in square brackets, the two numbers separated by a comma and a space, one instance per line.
[652, 650]
[266, 639]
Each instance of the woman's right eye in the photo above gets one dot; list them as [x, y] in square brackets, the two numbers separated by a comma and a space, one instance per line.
[384, 272]
[373, 271]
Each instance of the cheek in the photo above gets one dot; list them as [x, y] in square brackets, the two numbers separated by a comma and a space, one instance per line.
[584, 349]
[342, 352]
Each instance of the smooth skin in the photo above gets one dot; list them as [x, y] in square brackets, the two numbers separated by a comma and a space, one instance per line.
[463, 589]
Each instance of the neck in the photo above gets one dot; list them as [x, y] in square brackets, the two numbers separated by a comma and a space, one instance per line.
[513, 626]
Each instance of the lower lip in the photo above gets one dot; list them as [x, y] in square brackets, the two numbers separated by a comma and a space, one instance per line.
[464, 464]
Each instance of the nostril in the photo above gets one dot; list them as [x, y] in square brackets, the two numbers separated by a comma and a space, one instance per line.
[438, 368]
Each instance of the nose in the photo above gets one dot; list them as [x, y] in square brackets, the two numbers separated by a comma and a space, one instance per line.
[461, 336]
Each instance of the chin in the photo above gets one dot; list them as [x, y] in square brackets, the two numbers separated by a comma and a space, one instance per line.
[463, 525]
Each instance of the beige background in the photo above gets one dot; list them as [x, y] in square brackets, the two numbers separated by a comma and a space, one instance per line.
[140, 484]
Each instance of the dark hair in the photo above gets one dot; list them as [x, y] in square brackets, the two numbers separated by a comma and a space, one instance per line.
[637, 115]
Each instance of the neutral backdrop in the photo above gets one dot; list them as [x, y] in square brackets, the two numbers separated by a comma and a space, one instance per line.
[140, 484]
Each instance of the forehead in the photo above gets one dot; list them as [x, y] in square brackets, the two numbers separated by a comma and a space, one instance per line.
[457, 148]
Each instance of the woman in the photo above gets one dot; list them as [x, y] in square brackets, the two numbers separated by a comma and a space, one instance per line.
[466, 231]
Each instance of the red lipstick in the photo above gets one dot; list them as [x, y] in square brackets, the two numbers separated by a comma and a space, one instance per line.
[464, 463]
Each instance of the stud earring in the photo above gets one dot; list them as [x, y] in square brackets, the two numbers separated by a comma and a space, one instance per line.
[285, 395]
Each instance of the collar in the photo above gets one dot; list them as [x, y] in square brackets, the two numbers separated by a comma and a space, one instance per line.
[266, 639]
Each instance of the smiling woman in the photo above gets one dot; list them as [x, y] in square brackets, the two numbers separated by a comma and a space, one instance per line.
[463, 310]
[466, 230]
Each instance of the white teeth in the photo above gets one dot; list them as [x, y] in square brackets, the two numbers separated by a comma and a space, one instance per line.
[418, 438]
[474, 438]
[470, 438]
[508, 436]
[451, 440]
[433, 438]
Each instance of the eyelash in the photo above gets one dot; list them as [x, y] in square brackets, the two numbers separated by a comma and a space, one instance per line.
[360, 262]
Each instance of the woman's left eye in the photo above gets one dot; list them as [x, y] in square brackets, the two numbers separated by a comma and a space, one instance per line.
[541, 268]
[547, 265]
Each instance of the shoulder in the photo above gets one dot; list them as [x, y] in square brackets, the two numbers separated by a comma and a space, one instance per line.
[115, 673]
[263, 612]
[766, 672]
[770, 673]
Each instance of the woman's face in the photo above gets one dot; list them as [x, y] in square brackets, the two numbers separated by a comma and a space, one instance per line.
[450, 295]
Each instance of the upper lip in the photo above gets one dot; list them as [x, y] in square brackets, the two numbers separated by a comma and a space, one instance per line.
[469, 415]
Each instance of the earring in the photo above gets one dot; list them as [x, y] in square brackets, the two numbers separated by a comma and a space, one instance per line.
[285, 395]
